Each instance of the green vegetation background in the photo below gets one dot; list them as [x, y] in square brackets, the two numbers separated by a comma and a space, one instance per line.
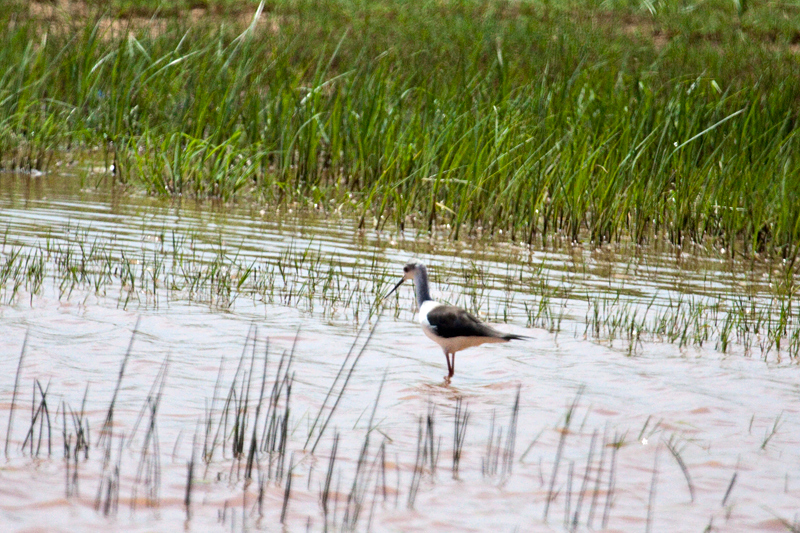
[581, 120]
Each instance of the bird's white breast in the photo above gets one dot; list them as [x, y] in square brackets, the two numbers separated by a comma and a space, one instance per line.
[426, 308]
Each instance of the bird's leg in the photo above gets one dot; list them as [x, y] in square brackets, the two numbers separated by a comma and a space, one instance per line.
[453, 365]
[449, 366]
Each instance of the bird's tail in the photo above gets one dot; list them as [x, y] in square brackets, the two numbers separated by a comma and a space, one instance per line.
[510, 337]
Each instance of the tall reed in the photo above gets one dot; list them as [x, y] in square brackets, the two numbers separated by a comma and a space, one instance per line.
[540, 121]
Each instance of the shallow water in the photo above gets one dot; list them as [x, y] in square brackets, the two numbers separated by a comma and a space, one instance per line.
[313, 281]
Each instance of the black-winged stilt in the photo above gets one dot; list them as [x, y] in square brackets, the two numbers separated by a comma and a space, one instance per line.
[451, 327]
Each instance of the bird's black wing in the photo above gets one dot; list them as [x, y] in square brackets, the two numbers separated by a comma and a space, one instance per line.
[450, 321]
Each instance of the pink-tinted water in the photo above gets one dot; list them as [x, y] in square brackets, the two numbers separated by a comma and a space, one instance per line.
[724, 415]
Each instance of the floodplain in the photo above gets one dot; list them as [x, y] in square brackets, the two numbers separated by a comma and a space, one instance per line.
[201, 209]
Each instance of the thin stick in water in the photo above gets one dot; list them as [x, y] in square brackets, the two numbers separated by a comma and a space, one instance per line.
[728, 491]
[287, 493]
[682, 466]
[560, 450]
[585, 483]
[106, 429]
[651, 501]
[16, 388]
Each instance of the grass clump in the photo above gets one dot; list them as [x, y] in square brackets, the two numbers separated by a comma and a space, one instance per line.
[580, 122]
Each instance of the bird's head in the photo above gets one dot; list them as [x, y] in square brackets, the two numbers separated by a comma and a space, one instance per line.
[411, 269]
[409, 272]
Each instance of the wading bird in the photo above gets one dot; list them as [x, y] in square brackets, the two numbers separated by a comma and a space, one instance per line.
[451, 327]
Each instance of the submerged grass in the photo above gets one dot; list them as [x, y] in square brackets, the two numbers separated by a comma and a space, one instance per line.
[275, 468]
[576, 121]
[266, 459]
[639, 300]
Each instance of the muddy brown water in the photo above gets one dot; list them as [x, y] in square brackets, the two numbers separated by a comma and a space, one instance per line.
[724, 414]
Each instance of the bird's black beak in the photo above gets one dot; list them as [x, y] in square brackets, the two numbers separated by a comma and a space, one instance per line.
[395, 288]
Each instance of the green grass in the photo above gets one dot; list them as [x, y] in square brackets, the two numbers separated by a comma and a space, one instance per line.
[576, 121]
